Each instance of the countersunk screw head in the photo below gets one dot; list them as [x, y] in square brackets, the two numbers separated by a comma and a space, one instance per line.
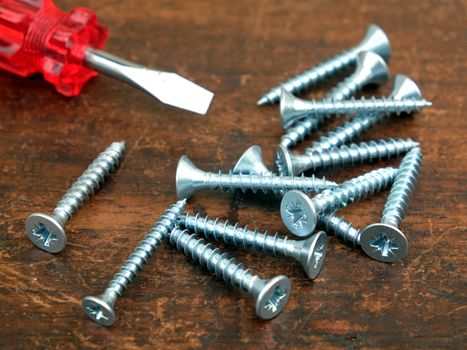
[284, 164]
[314, 252]
[405, 88]
[374, 67]
[273, 297]
[383, 242]
[99, 309]
[298, 213]
[289, 164]
[376, 40]
[251, 161]
[288, 107]
[45, 232]
[186, 176]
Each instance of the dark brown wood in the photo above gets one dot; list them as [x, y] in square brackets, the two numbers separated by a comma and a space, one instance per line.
[238, 49]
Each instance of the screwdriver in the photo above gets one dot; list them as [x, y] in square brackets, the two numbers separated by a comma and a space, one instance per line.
[37, 37]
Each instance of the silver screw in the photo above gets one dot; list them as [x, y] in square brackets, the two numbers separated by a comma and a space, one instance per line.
[100, 308]
[270, 295]
[352, 106]
[47, 232]
[300, 213]
[251, 161]
[404, 88]
[375, 40]
[381, 240]
[309, 253]
[371, 69]
[295, 164]
[189, 179]
[351, 235]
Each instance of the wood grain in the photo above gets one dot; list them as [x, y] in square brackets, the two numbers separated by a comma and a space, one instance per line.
[238, 50]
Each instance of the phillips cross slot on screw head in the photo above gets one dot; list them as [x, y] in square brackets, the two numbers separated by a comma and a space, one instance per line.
[37, 37]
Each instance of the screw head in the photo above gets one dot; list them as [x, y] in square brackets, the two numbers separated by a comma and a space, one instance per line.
[298, 213]
[376, 41]
[383, 242]
[186, 177]
[99, 310]
[405, 88]
[313, 253]
[45, 232]
[251, 161]
[283, 161]
[291, 108]
[373, 67]
[273, 297]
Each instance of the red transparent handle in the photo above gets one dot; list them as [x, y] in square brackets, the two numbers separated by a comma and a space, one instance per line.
[37, 37]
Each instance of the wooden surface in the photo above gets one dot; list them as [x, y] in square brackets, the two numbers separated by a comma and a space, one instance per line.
[238, 50]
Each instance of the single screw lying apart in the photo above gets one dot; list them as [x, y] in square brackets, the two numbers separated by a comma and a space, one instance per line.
[300, 213]
[101, 308]
[295, 164]
[404, 88]
[352, 106]
[371, 69]
[380, 240]
[375, 40]
[270, 295]
[309, 253]
[350, 235]
[47, 232]
[251, 161]
[189, 179]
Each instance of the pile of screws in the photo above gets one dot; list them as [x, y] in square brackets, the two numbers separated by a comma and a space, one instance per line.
[300, 213]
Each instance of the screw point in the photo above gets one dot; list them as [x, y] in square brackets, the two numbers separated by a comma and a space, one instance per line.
[262, 101]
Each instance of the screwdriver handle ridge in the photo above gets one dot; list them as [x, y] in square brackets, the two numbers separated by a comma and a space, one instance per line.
[37, 37]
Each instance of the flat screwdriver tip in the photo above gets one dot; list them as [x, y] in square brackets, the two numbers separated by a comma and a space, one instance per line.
[172, 89]
[169, 88]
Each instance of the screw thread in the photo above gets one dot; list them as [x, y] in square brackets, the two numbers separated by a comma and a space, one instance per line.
[239, 236]
[348, 87]
[396, 205]
[302, 128]
[265, 183]
[363, 106]
[313, 76]
[358, 153]
[341, 229]
[213, 259]
[300, 131]
[353, 190]
[143, 252]
[89, 181]
[345, 133]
